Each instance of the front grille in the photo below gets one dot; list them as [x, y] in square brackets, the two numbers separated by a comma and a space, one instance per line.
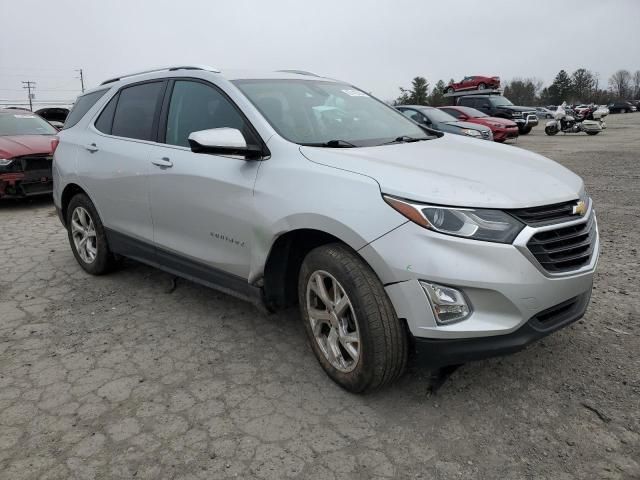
[35, 162]
[566, 248]
[547, 214]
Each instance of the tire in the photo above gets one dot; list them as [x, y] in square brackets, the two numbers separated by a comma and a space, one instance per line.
[592, 133]
[550, 131]
[382, 342]
[450, 90]
[525, 130]
[482, 86]
[82, 214]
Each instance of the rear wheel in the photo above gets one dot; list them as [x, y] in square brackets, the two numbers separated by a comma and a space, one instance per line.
[350, 322]
[482, 86]
[592, 133]
[87, 237]
[450, 90]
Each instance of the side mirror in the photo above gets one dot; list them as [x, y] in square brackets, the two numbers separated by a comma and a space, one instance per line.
[223, 141]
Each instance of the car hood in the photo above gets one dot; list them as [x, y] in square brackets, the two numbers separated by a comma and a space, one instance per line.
[472, 126]
[457, 171]
[18, 145]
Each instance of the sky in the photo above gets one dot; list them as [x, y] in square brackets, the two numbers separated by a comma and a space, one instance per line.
[374, 44]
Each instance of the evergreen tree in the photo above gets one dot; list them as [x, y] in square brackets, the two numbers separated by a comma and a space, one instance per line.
[417, 95]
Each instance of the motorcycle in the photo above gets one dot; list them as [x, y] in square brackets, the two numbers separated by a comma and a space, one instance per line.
[565, 123]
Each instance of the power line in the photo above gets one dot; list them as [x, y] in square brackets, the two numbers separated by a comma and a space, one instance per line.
[28, 85]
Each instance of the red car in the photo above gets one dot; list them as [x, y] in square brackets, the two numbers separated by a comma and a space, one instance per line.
[27, 143]
[474, 82]
[501, 128]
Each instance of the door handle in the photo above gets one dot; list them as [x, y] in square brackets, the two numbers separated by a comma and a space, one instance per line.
[92, 148]
[163, 162]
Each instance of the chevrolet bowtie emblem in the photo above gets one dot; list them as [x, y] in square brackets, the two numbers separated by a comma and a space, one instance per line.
[580, 208]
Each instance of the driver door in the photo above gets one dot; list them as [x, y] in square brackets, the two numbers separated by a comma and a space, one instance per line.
[201, 204]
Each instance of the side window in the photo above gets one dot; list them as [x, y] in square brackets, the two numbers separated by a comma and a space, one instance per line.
[105, 120]
[83, 105]
[195, 106]
[135, 111]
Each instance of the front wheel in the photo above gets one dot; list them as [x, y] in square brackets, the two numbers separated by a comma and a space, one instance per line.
[550, 130]
[525, 130]
[87, 237]
[592, 133]
[482, 86]
[350, 322]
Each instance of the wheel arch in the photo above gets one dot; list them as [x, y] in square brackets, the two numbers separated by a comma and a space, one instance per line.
[70, 191]
[285, 257]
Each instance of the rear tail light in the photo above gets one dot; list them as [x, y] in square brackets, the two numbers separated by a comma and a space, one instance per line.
[55, 141]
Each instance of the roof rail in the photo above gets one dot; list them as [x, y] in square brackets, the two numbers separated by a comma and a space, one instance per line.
[163, 69]
[299, 72]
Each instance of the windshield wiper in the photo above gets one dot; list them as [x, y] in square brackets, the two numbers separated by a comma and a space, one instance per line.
[405, 139]
[332, 144]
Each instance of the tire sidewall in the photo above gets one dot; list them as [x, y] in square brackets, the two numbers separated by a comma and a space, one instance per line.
[359, 378]
[101, 263]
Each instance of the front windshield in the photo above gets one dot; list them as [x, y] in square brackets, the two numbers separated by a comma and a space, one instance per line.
[498, 100]
[438, 116]
[316, 112]
[472, 112]
[24, 124]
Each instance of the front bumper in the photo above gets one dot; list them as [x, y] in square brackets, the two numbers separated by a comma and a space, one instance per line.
[504, 284]
[530, 120]
[433, 353]
[501, 134]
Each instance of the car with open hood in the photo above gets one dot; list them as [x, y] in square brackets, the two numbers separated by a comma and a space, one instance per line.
[396, 242]
[26, 152]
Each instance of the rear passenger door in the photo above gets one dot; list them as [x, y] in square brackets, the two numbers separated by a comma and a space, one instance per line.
[202, 204]
[115, 164]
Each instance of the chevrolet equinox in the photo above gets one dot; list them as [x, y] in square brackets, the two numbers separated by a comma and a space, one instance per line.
[287, 188]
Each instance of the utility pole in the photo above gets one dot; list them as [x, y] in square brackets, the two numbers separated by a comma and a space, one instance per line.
[81, 79]
[28, 85]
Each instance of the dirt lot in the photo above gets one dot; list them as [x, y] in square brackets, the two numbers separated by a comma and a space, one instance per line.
[121, 376]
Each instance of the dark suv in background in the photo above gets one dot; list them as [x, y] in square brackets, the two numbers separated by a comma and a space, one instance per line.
[499, 106]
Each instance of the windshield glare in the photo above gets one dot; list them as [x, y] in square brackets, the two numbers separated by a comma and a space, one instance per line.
[497, 100]
[472, 112]
[314, 112]
[438, 116]
[24, 124]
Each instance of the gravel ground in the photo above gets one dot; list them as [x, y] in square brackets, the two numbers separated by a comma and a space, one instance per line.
[123, 376]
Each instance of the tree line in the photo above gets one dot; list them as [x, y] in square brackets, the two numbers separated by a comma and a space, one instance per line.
[581, 86]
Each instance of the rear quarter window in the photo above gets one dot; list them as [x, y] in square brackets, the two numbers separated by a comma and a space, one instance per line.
[82, 106]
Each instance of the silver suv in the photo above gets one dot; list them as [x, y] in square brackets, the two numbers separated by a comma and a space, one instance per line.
[288, 188]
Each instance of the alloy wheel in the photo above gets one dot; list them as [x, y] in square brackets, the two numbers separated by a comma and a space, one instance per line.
[84, 235]
[333, 321]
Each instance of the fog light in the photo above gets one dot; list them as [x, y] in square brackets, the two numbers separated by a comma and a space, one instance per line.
[448, 304]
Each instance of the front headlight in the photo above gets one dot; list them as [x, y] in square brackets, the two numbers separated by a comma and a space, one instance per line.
[5, 162]
[474, 223]
[470, 133]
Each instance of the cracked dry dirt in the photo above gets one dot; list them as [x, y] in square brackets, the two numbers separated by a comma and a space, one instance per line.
[120, 377]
